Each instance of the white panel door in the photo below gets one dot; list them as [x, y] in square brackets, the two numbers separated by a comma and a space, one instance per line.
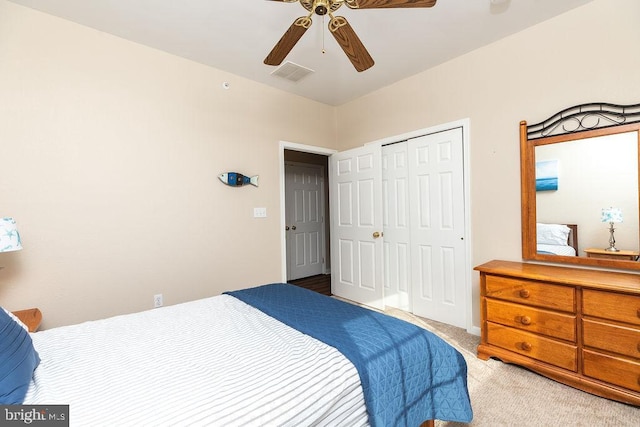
[304, 217]
[356, 220]
[438, 229]
[396, 226]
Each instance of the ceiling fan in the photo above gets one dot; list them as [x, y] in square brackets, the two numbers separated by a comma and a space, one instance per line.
[338, 26]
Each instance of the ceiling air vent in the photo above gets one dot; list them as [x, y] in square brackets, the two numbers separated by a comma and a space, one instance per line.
[292, 72]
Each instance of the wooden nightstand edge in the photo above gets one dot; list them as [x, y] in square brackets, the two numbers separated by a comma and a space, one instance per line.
[31, 317]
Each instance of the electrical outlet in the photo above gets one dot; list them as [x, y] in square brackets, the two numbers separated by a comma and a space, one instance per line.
[259, 212]
[157, 300]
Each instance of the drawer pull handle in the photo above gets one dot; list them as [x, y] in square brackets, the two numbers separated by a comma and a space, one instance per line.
[638, 313]
[524, 293]
[526, 346]
[525, 320]
[638, 347]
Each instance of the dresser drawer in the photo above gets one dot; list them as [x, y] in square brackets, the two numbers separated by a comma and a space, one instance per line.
[537, 347]
[532, 319]
[609, 305]
[614, 338]
[531, 293]
[622, 372]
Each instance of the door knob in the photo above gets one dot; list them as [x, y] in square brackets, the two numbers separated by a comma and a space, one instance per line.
[293, 227]
[287, 228]
[376, 234]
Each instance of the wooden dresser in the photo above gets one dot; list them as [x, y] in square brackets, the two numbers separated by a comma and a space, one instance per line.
[577, 326]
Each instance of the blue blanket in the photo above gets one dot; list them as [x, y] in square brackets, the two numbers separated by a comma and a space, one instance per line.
[408, 374]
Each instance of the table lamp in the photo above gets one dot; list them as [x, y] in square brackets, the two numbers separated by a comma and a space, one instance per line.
[612, 216]
[9, 236]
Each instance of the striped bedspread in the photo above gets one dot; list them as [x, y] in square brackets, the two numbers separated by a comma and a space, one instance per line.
[216, 361]
[556, 249]
[408, 374]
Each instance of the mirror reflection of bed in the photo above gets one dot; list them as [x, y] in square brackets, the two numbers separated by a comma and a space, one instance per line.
[557, 239]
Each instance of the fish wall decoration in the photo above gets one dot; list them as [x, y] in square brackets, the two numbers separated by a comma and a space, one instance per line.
[235, 179]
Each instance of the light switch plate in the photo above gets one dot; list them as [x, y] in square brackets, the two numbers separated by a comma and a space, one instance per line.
[259, 212]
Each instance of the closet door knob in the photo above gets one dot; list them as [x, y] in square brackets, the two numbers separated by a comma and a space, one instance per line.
[293, 227]
[376, 234]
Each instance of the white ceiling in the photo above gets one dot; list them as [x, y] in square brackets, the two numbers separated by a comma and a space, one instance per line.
[236, 35]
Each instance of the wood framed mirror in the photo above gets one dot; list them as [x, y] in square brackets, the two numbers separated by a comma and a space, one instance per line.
[573, 166]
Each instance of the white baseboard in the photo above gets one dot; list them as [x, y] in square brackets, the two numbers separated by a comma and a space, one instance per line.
[475, 330]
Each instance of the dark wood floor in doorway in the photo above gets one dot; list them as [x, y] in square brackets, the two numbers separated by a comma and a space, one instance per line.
[320, 283]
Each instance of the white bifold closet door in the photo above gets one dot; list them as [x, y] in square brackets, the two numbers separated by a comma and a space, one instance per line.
[423, 222]
[396, 224]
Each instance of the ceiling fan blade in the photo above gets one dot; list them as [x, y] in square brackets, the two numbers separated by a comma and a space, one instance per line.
[379, 4]
[288, 41]
[350, 43]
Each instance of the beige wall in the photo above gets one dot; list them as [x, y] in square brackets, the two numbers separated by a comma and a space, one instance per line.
[110, 154]
[586, 55]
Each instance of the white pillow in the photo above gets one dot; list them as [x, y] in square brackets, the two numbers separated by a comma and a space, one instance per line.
[13, 316]
[552, 234]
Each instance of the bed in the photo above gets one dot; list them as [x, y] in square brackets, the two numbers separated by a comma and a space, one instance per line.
[557, 239]
[273, 355]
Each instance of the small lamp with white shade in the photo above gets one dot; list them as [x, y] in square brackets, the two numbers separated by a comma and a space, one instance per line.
[9, 235]
[612, 216]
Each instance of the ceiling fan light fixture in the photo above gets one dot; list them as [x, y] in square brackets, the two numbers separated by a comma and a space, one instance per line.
[321, 7]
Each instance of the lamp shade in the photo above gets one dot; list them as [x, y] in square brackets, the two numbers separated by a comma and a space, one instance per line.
[611, 215]
[9, 236]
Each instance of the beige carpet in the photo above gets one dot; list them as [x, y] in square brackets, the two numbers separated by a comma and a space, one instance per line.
[507, 395]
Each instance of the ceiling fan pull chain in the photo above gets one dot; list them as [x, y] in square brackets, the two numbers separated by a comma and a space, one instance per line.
[323, 33]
